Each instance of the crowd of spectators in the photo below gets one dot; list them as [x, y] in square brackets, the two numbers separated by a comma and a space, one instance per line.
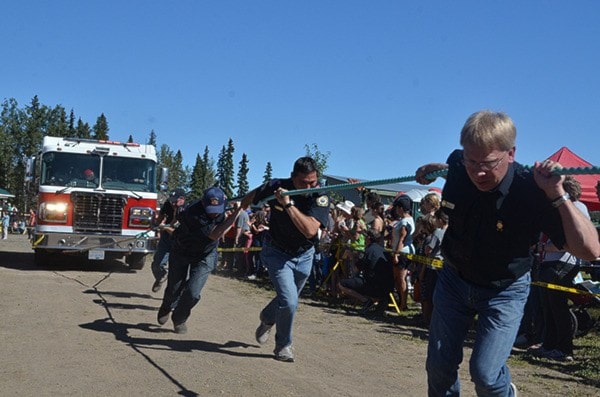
[14, 222]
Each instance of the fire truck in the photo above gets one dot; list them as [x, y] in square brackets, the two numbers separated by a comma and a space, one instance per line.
[94, 198]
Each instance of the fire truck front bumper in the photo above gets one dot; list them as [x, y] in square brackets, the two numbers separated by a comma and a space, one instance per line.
[83, 243]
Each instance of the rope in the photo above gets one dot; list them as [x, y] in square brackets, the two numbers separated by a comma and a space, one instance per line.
[592, 170]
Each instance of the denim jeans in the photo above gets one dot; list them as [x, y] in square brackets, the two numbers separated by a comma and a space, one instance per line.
[161, 256]
[183, 292]
[288, 274]
[456, 302]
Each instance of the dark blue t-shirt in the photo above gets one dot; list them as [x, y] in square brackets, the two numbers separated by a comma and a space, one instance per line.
[490, 233]
[282, 230]
[190, 238]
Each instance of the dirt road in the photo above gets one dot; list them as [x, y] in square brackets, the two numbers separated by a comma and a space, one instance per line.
[79, 329]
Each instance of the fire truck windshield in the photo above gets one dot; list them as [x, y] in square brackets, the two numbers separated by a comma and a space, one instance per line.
[83, 170]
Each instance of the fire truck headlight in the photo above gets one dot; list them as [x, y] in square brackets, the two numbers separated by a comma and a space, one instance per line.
[54, 212]
[141, 217]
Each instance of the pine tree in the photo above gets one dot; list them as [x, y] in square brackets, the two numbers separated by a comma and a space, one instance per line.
[83, 130]
[242, 177]
[71, 131]
[152, 138]
[228, 169]
[57, 122]
[268, 175]
[196, 186]
[130, 139]
[221, 166]
[100, 129]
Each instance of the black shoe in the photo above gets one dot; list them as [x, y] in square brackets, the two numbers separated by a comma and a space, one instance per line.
[163, 315]
[159, 283]
[180, 328]
[367, 307]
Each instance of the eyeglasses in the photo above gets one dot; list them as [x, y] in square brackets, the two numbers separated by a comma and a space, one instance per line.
[484, 165]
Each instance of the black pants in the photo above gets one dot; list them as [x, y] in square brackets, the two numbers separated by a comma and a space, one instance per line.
[558, 332]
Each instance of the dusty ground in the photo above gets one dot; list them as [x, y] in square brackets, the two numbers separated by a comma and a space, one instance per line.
[80, 328]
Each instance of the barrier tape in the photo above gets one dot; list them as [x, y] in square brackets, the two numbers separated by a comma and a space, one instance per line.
[563, 288]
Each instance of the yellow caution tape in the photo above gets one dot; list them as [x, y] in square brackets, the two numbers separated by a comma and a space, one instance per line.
[563, 288]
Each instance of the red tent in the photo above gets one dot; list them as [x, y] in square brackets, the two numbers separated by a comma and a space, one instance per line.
[567, 158]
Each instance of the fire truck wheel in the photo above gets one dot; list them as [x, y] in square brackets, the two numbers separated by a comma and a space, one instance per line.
[136, 261]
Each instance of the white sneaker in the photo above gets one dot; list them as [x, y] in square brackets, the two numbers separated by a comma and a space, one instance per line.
[514, 390]
[284, 354]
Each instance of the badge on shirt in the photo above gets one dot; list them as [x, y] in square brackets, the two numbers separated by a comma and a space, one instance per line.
[499, 226]
[323, 201]
[447, 204]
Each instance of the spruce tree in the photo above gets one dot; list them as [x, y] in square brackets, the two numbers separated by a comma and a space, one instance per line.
[83, 130]
[152, 138]
[268, 175]
[71, 131]
[242, 177]
[100, 129]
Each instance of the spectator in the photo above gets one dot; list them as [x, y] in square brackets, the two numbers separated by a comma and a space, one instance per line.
[428, 277]
[259, 228]
[402, 244]
[377, 210]
[5, 224]
[370, 199]
[31, 223]
[558, 267]
[430, 203]
[373, 278]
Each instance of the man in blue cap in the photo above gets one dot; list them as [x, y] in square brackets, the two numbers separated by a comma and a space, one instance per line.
[194, 255]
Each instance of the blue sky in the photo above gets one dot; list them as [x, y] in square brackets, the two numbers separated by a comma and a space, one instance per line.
[384, 86]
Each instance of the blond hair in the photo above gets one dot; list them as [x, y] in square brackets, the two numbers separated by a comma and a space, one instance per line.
[489, 130]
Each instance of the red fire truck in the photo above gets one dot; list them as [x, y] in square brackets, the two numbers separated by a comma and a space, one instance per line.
[94, 198]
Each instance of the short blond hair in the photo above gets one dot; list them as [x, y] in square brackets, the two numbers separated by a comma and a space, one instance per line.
[489, 130]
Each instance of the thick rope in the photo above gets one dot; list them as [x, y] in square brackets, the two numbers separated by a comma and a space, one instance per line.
[593, 170]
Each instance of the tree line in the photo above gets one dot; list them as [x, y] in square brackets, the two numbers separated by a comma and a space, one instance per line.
[23, 128]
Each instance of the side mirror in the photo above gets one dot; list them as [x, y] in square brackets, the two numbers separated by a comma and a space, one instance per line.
[164, 179]
[29, 169]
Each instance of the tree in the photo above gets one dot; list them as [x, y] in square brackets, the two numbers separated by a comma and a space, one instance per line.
[100, 129]
[71, 131]
[268, 175]
[203, 175]
[152, 138]
[130, 139]
[225, 171]
[57, 122]
[319, 157]
[242, 177]
[83, 130]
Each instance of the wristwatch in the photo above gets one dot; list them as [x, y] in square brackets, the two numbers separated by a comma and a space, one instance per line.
[560, 200]
[288, 205]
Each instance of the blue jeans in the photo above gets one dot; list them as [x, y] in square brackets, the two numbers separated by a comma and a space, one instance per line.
[288, 274]
[183, 292]
[455, 304]
[161, 256]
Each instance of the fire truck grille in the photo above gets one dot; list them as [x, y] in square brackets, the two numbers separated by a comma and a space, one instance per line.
[97, 212]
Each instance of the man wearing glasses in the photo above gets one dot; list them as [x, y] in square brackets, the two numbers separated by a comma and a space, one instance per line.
[496, 210]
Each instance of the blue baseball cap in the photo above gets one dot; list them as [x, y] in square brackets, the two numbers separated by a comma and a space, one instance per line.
[214, 201]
